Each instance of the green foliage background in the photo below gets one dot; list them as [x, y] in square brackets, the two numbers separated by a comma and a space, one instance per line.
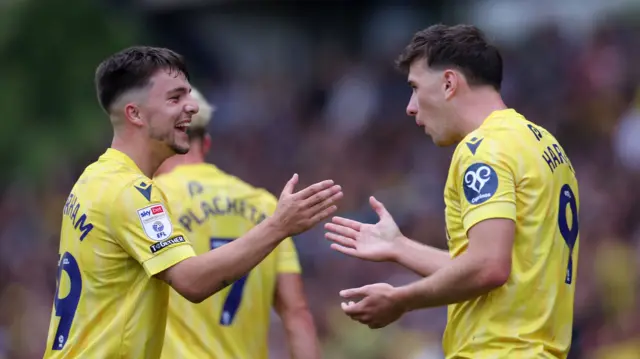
[48, 54]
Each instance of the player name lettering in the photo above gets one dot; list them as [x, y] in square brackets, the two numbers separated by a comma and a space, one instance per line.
[79, 220]
[554, 157]
[220, 206]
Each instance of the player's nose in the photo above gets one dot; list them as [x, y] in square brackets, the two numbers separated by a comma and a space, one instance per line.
[192, 107]
[412, 109]
[412, 106]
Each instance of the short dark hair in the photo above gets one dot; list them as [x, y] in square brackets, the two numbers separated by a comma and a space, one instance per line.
[132, 68]
[464, 47]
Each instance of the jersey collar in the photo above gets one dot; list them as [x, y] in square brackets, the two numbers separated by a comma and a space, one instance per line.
[499, 114]
[114, 155]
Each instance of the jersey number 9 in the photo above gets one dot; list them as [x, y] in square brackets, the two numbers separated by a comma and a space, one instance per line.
[66, 307]
[234, 297]
[569, 234]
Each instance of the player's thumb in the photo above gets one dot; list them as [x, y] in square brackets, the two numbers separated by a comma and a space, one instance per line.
[291, 184]
[378, 207]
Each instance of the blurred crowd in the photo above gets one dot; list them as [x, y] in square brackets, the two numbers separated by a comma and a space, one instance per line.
[346, 121]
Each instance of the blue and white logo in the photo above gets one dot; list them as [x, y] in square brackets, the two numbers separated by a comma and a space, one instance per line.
[158, 226]
[480, 183]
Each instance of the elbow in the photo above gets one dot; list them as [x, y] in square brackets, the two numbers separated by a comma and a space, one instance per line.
[198, 293]
[194, 297]
[495, 276]
[190, 293]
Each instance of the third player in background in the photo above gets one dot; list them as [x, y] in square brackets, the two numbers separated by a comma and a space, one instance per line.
[217, 208]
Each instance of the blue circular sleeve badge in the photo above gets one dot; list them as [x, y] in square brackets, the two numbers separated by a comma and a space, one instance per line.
[480, 182]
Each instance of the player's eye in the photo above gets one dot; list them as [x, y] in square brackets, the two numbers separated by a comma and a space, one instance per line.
[174, 99]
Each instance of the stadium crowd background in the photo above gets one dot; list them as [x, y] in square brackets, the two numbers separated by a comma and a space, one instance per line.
[309, 87]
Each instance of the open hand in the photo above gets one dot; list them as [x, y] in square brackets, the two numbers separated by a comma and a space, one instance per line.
[374, 242]
[299, 211]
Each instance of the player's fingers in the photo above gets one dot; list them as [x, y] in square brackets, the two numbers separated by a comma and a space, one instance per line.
[341, 230]
[354, 292]
[324, 214]
[319, 199]
[313, 189]
[341, 240]
[347, 222]
[326, 203]
[378, 207]
[354, 310]
[345, 250]
[290, 185]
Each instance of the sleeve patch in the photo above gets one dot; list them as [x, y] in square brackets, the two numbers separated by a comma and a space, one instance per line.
[155, 222]
[480, 183]
[164, 244]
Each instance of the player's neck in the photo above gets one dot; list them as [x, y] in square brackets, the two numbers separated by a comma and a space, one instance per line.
[479, 104]
[142, 154]
[170, 163]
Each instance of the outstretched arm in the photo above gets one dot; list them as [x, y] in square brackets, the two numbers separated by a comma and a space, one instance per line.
[420, 258]
[383, 241]
[485, 266]
[197, 278]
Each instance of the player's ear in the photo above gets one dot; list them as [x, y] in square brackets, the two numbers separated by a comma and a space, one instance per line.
[450, 83]
[132, 113]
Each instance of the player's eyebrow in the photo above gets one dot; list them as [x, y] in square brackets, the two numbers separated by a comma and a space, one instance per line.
[179, 89]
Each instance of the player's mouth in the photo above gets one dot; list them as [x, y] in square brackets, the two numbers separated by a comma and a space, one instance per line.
[183, 126]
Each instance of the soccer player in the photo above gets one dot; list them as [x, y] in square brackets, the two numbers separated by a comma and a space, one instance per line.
[119, 247]
[214, 208]
[511, 201]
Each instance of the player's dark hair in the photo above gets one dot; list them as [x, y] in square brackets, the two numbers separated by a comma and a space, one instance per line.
[132, 68]
[461, 46]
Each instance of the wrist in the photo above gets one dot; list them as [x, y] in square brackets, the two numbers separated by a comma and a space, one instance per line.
[274, 229]
[402, 297]
[398, 247]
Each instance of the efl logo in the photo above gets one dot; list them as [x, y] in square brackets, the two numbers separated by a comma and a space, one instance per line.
[157, 209]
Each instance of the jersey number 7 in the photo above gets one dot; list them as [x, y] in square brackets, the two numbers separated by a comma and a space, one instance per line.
[234, 297]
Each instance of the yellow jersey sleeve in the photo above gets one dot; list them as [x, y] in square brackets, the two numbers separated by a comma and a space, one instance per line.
[142, 225]
[288, 257]
[485, 181]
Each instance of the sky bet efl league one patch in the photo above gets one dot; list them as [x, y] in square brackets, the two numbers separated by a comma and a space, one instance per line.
[155, 222]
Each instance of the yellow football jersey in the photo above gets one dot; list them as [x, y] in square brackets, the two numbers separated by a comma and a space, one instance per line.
[217, 208]
[512, 168]
[116, 234]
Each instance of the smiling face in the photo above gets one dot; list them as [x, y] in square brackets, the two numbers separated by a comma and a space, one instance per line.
[429, 102]
[167, 110]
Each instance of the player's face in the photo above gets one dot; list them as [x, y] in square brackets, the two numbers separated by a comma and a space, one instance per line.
[168, 110]
[429, 103]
